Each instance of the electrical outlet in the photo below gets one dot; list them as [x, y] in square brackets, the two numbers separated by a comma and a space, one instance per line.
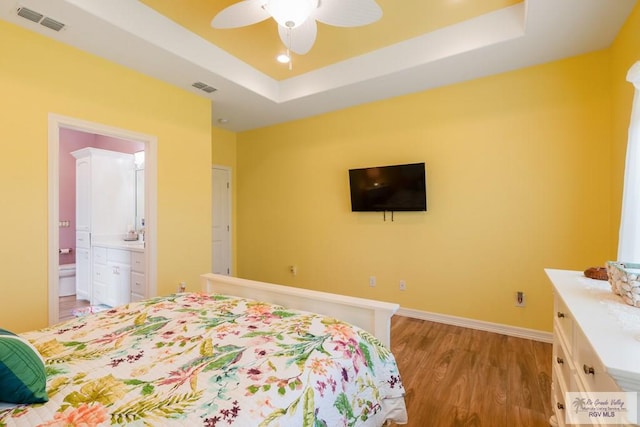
[182, 287]
[520, 299]
[403, 285]
[372, 281]
[293, 269]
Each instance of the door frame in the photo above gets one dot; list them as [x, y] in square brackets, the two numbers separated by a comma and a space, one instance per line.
[58, 122]
[230, 213]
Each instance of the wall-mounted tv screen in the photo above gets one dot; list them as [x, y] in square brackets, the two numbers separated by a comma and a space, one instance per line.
[389, 188]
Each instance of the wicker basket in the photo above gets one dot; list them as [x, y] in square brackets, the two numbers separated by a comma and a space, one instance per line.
[624, 278]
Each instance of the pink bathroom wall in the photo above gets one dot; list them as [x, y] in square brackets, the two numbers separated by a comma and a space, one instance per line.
[115, 144]
[71, 140]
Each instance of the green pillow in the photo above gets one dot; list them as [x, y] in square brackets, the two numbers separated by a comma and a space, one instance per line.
[22, 375]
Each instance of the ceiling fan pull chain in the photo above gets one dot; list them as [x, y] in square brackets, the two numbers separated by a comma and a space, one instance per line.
[288, 49]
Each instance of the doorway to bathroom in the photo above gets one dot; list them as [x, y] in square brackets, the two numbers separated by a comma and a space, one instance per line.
[67, 252]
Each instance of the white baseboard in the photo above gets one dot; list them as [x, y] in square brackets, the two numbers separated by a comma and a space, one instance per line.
[497, 328]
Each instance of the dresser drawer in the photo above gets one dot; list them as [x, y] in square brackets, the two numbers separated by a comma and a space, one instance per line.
[119, 256]
[562, 365]
[99, 255]
[138, 284]
[558, 403]
[83, 239]
[564, 322]
[589, 368]
[137, 261]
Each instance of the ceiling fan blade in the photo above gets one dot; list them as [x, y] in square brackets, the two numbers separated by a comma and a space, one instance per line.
[347, 13]
[243, 13]
[301, 38]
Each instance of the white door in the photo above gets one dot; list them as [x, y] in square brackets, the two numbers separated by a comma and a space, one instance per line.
[221, 221]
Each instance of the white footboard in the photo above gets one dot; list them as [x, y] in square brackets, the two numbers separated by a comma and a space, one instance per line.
[370, 315]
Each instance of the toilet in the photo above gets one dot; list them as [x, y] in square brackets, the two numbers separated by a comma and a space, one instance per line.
[67, 279]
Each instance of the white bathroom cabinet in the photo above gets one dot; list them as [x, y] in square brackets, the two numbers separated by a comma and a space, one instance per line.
[138, 277]
[105, 206]
[83, 273]
[111, 276]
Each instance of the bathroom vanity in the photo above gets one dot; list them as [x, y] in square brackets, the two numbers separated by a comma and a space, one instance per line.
[118, 272]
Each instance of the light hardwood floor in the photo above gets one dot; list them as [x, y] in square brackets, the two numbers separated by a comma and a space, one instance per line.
[67, 304]
[464, 377]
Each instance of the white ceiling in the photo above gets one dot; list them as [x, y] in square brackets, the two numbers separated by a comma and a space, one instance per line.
[129, 33]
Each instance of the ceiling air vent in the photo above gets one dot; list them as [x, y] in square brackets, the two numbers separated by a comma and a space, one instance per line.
[36, 17]
[30, 14]
[204, 87]
[52, 23]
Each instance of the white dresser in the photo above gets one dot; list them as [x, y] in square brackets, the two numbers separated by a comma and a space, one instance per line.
[596, 341]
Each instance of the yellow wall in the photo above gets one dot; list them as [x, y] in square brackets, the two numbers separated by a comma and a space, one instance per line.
[624, 53]
[39, 76]
[224, 151]
[516, 166]
[224, 154]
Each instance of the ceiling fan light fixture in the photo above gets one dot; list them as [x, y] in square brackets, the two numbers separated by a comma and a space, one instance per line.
[297, 19]
[283, 58]
[290, 13]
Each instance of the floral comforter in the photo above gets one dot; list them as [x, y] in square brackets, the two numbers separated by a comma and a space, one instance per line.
[212, 360]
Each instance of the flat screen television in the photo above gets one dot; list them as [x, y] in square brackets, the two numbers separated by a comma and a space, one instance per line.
[389, 188]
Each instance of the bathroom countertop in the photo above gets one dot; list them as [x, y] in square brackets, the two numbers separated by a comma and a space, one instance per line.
[135, 245]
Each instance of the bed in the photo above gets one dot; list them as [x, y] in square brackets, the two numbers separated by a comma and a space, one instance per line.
[213, 359]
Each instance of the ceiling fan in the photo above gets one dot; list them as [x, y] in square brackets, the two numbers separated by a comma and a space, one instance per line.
[297, 18]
